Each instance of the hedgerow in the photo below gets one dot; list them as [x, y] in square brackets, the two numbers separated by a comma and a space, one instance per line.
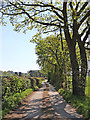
[15, 89]
[12, 101]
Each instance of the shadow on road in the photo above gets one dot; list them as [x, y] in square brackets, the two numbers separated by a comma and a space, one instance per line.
[50, 107]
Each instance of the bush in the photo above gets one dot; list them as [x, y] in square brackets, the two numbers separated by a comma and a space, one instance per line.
[15, 89]
[39, 81]
[12, 101]
[14, 84]
[81, 103]
[35, 83]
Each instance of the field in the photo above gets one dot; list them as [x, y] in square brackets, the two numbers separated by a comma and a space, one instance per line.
[87, 89]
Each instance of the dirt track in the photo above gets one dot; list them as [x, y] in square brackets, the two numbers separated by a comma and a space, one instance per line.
[45, 103]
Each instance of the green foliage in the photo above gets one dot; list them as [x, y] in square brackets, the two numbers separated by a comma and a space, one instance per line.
[33, 83]
[87, 88]
[81, 103]
[15, 89]
[46, 16]
[36, 82]
[11, 102]
[36, 73]
[42, 13]
[14, 84]
[50, 58]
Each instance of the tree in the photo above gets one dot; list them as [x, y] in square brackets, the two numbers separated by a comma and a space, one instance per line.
[50, 58]
[49, 17]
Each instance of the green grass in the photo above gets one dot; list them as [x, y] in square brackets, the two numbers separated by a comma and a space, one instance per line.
[87, 89]
[81, 103]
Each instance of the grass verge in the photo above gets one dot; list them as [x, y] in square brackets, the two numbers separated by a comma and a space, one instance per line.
[81, 103]
[12, 101]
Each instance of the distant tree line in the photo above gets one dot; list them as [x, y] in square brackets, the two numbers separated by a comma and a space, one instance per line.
[30, 73]
[36, 73]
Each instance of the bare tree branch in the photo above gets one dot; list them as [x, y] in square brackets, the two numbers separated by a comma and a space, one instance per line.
[43, 23]
[51, 31]
[44, 5]
[66, 29]
[84, 18]
[40, 12]
[71, 6]
[77, 6]
[86, 36]
[83, 31]
[57, 20]
[83, 7]
[58, 15]
[14, 14]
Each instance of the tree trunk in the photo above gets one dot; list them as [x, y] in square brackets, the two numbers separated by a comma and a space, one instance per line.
[71, 42]
[63, 63]
[83, 68]
[78, 77]
[74, 63]
[75, 70]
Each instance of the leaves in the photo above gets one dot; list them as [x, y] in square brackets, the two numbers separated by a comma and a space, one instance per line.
[71, 17]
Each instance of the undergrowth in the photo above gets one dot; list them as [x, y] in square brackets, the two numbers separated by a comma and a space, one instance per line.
[12, 101]
[21, 88]
[81, 103]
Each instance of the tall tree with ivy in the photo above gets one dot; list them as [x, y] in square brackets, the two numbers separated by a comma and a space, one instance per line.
[50, 16]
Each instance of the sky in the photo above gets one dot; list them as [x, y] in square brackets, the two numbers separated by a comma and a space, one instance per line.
[16, 51]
